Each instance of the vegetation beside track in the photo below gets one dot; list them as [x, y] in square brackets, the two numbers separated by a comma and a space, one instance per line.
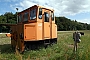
[63, 50]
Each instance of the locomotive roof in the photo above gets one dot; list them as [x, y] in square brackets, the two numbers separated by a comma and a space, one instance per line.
[37, 6]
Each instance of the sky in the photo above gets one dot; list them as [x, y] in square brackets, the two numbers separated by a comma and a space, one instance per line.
[73, 9]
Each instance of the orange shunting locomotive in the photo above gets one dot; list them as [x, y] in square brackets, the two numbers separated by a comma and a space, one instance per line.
[36, 26]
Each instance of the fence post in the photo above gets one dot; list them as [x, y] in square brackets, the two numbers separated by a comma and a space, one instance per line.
[75, 42]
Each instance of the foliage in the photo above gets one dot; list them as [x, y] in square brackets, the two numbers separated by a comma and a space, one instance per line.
[65, 24]
[7, 18]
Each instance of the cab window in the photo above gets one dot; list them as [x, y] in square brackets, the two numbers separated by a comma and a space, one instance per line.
[52, 14]
[26, 16]
[40, 13]
[46, 17]
[20, 18]
[33, 14]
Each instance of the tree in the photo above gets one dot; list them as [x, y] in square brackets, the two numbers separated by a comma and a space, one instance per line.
[65, 24]
[2, 19]
[88, 27]
[9, 18]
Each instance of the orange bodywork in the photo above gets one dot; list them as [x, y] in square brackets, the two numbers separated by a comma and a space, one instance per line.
[8, 35]
[33, 29]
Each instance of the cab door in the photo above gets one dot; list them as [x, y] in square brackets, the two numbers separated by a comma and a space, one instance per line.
[46, 25]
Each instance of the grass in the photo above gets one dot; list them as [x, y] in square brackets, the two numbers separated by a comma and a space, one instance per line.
[63, 50]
